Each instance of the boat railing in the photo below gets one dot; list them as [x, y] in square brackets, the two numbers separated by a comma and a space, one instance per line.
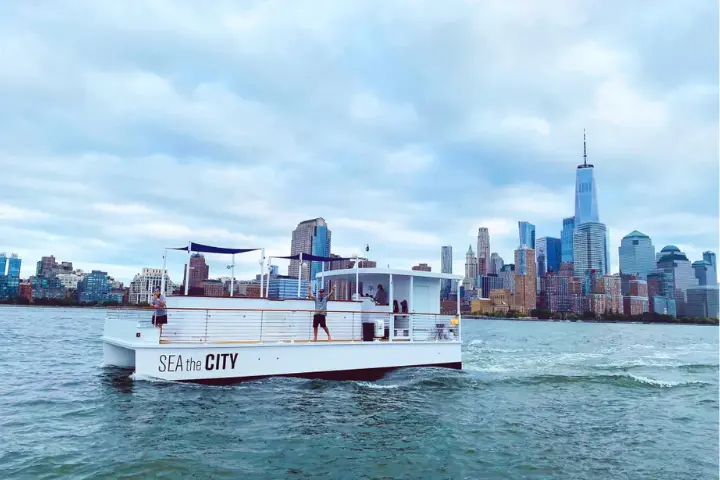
[197, 325]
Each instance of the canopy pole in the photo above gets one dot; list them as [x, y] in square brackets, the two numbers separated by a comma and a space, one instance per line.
[262, 271]
[232, 277]
[300, 266]
[267, 270]
[187, 269]
[357, 277]
[322, 276]
[458, 299]
[164, 270]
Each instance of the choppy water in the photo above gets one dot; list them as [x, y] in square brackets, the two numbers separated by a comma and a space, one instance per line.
[536, 400]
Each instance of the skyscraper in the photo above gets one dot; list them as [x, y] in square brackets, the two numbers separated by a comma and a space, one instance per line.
[320, 248]
[676, 263]
[496, 263]
[590, 250]
[199, 271]
[566, 237]
[637, 255]
[3, 263]
[483, 250]
[14, 263]
[306, 238]
[525, 279]
[471, 267]
[705, 273]
[586, 207]
[446, 267]
[527, 234]
[548, 252]
[710, 258]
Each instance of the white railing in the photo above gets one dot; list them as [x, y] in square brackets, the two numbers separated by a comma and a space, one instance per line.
[189, 325]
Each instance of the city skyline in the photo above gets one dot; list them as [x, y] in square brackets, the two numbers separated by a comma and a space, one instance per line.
[229, 145]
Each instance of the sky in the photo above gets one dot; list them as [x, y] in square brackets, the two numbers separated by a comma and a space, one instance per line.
[126, 127]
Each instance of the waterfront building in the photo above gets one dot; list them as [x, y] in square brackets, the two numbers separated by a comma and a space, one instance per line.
[610, 287]
[637, 255]
[635, 305]
[25, 291]
[663, 306]
[488, 283]
[94, 287]
[548, 252]
[638, 288]
[527, 234]
[586, 205]
[46, 287]
[283, 287]
[199, 271]
[705, 273]
[214, 288]
[13, 266]
[309, 236]
[525, 279]
[590, 249]
[471, 269]
[10, 281]
[144, 283]
[566, 239]
[676, 264]
[496, 263]
[422, 267]
[69, 281]
[507, 274]
[702, 301]
[483, 250]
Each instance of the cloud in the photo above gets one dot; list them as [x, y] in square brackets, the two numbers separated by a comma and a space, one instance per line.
[406, 125]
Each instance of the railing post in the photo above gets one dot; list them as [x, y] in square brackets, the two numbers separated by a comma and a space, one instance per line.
[410, 325]
[392, 327]
[207, 317]
[261, 325]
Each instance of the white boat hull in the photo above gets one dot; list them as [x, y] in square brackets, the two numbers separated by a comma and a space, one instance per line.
[221, 364]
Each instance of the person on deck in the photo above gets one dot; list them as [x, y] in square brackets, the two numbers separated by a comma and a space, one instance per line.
[158, 303]
[381, 296]
[320, 311]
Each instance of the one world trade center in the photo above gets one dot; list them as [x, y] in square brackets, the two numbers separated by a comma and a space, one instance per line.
[590, 239]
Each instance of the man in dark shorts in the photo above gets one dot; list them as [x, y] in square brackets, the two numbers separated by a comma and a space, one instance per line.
[158, 303]
[320, 311]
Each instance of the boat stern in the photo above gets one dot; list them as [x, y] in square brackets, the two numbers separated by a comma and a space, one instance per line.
[125, 331]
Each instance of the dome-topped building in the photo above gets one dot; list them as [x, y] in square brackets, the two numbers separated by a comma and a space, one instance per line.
[637, 255]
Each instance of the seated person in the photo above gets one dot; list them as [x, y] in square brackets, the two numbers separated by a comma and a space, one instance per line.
[380, 296]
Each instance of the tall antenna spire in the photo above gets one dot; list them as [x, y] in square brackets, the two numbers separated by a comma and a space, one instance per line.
[584, 149]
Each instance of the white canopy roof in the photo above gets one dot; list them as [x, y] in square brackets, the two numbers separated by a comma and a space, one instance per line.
[351, 272]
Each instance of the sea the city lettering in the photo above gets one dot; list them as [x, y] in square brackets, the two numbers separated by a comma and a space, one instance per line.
[213, 361]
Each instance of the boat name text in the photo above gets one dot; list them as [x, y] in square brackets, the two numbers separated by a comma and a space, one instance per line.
[213, 361]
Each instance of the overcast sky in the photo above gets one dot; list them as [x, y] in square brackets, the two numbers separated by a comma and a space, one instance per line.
[129, 126]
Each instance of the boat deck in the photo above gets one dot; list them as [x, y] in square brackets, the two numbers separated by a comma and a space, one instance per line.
[252, 327]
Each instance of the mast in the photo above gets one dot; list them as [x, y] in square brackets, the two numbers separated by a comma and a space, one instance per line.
[584, 149]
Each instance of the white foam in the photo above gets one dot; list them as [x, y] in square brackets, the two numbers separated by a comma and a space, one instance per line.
[377, 386]
[661, 383]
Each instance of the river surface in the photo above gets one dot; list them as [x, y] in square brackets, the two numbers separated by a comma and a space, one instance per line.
[535, 400]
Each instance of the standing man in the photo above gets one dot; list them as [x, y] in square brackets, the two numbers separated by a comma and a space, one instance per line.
[320, 310]
[159, 304]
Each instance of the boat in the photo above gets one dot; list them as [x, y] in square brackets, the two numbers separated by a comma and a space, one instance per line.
[225, 340]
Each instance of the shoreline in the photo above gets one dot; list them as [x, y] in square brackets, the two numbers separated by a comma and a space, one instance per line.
[465, 317]
[582, 320]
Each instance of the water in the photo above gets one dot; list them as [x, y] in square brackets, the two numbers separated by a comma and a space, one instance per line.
[536, 400]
